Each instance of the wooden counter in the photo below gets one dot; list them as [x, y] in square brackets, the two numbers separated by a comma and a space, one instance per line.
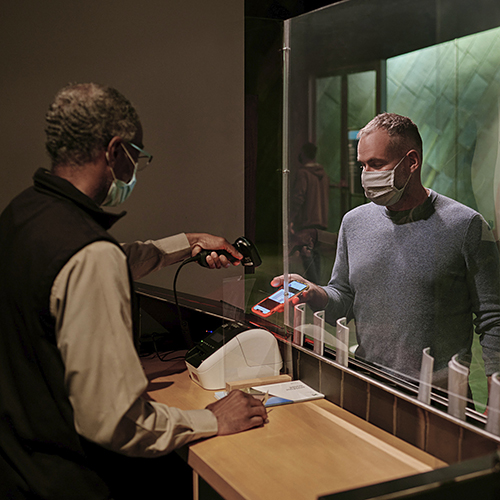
[304, 451]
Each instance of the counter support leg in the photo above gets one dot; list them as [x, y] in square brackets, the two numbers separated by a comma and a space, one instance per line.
[196, 486]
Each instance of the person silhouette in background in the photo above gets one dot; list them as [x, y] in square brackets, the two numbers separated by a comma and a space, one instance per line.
[309, 210]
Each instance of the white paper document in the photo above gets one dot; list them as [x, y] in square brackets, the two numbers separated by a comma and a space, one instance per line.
[283, 393]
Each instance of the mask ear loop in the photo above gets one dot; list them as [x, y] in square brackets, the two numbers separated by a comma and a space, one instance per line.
[135, 163]
[407, 181]
[110, 167]
[409, 177]
[400, 161]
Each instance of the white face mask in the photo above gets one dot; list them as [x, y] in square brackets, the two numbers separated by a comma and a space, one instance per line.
[379, 186]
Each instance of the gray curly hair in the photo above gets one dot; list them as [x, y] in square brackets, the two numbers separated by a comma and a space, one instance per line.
[83, 119]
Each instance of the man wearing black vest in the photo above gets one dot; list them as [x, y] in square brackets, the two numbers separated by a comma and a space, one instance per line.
[71, 381]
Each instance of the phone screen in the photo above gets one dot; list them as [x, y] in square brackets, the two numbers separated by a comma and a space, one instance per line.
[267, 306]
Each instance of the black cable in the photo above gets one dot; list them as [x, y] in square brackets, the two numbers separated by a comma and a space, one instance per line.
[184, 324]
[163, 355]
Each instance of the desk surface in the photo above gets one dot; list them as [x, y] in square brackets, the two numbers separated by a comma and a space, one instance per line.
[306, 450]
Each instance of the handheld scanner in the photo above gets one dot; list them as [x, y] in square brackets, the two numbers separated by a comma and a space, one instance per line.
[251, 257]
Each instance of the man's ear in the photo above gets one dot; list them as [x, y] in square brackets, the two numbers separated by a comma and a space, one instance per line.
[416, 161]
[113, 150]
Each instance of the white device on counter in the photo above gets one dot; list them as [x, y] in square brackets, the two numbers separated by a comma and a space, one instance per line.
[233, 353]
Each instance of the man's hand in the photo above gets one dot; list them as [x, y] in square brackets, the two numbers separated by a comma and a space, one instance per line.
[204, 241]
[315, 296]
[238, 412]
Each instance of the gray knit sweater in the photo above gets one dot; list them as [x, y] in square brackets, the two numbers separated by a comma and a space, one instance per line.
[416, 279]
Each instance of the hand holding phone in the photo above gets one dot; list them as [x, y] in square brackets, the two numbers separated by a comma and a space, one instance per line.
[275, 301]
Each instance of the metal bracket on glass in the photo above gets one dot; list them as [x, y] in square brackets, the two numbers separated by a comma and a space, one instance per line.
[458, 383]
[299, 316]
[493, 422]
[319, 329]
[342, 348]
[425, 385]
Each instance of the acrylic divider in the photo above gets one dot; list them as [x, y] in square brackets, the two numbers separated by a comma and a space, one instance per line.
[425, 385]
[458, 383]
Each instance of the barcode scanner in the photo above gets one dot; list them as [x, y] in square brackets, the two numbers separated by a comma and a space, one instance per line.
[251, 257]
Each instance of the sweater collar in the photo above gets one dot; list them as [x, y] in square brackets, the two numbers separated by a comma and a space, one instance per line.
[421, 212]
[50, 184]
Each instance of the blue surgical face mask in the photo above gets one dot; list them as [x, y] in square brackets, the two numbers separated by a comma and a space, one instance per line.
[119, 190]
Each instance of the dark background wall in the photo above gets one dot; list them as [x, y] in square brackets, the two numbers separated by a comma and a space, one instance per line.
[181, 64]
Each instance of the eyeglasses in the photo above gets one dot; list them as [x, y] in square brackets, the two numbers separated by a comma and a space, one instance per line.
[144, 158]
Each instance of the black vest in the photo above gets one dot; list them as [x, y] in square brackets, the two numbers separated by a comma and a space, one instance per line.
[40, 450]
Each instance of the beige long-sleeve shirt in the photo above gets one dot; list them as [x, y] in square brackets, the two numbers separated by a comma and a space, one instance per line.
[90, 301]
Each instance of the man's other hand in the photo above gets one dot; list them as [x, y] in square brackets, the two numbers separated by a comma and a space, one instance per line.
[315, 296]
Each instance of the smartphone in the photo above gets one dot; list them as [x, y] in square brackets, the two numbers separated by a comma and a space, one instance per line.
[270, 304]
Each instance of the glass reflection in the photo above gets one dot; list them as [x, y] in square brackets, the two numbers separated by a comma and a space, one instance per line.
[451, 91]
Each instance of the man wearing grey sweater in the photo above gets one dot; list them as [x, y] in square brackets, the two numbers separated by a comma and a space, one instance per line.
[415, 269]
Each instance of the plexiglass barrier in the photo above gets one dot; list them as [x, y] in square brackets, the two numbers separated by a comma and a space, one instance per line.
[343, 65]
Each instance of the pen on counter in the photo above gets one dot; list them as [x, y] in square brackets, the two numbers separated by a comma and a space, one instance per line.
[266, 397]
